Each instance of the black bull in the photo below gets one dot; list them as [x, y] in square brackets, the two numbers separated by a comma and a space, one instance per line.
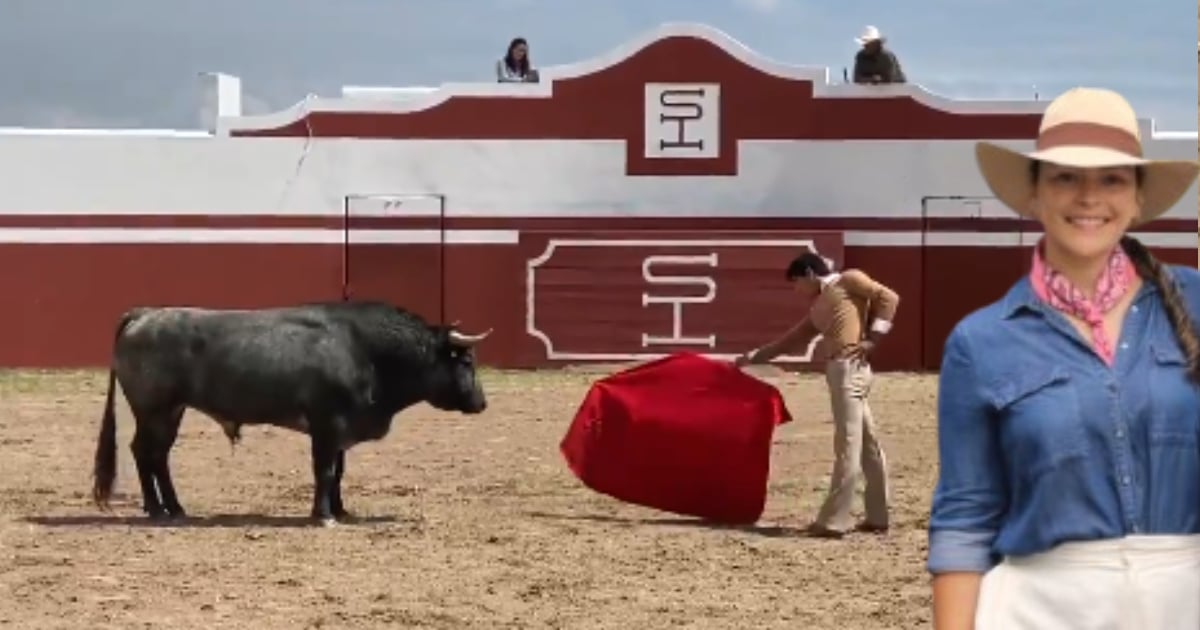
[337, 372]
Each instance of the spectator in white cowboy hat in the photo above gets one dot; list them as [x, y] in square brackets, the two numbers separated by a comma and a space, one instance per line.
[874, 62]
[1068, 410]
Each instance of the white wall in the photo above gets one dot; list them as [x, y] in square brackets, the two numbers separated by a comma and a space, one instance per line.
[204, 175]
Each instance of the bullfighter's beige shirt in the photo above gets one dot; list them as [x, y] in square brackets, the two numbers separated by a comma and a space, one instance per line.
[848, 304]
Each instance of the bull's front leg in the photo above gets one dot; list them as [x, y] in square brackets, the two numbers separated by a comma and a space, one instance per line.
[324, 463]
[335, 500]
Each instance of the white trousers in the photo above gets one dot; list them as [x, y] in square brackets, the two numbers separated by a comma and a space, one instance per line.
[1132, 583]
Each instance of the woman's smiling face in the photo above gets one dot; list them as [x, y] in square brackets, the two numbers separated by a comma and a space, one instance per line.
[1085, 211]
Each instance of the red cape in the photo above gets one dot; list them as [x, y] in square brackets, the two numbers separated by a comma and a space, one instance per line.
[683, 434]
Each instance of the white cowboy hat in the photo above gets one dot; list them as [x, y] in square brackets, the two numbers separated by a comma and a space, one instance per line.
[1085, 127]
[869, 34]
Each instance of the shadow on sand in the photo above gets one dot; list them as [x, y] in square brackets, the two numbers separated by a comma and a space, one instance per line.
[216, 521]
[771, 531]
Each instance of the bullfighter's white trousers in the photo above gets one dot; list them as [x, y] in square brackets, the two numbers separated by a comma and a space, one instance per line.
[1132, 583]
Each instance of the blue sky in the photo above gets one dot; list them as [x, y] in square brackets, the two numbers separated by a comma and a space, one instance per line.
[75, 62]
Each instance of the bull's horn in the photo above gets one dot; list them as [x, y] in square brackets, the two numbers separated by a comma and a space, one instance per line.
[468, 340]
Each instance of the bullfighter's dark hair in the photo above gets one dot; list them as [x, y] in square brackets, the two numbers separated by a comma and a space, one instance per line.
[806, 262]
[1154, 272]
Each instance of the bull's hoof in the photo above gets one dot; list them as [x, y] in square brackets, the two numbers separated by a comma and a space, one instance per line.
[164, 517]
[322, 520]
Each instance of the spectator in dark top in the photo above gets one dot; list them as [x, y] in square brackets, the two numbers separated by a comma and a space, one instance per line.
[515, 66]
[875, 64]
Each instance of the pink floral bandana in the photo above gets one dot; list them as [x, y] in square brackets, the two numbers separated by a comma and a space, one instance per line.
[1112, 285]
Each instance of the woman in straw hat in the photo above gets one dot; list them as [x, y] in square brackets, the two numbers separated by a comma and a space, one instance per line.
[1069, 410]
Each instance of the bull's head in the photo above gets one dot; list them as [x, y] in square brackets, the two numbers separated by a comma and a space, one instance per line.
[457, 387]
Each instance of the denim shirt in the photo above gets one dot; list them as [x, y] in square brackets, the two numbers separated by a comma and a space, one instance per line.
[1041, 442]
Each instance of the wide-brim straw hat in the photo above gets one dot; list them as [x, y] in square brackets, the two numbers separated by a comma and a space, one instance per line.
[1085, 127]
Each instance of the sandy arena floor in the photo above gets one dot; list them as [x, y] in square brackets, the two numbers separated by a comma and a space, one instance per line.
[466, 523]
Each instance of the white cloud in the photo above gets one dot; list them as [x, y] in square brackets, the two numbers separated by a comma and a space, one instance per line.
[761, 6]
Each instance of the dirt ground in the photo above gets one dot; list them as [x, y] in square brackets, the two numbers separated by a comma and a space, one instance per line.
[465, 523]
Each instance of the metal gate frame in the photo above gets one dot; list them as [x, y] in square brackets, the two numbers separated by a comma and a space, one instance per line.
[927, 362]
[396, 200]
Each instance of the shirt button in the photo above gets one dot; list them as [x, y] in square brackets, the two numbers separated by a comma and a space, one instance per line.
[1124, 346]
[1120, 433]
[1134, 308]
[1125, 480]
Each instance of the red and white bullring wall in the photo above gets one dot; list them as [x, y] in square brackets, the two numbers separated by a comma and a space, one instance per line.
[630, 205]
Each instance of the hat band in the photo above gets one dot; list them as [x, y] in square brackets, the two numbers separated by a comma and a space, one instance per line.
[1090, 134]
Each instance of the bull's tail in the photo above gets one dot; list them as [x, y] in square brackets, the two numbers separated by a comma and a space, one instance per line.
[105, 467]
[105, 471]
